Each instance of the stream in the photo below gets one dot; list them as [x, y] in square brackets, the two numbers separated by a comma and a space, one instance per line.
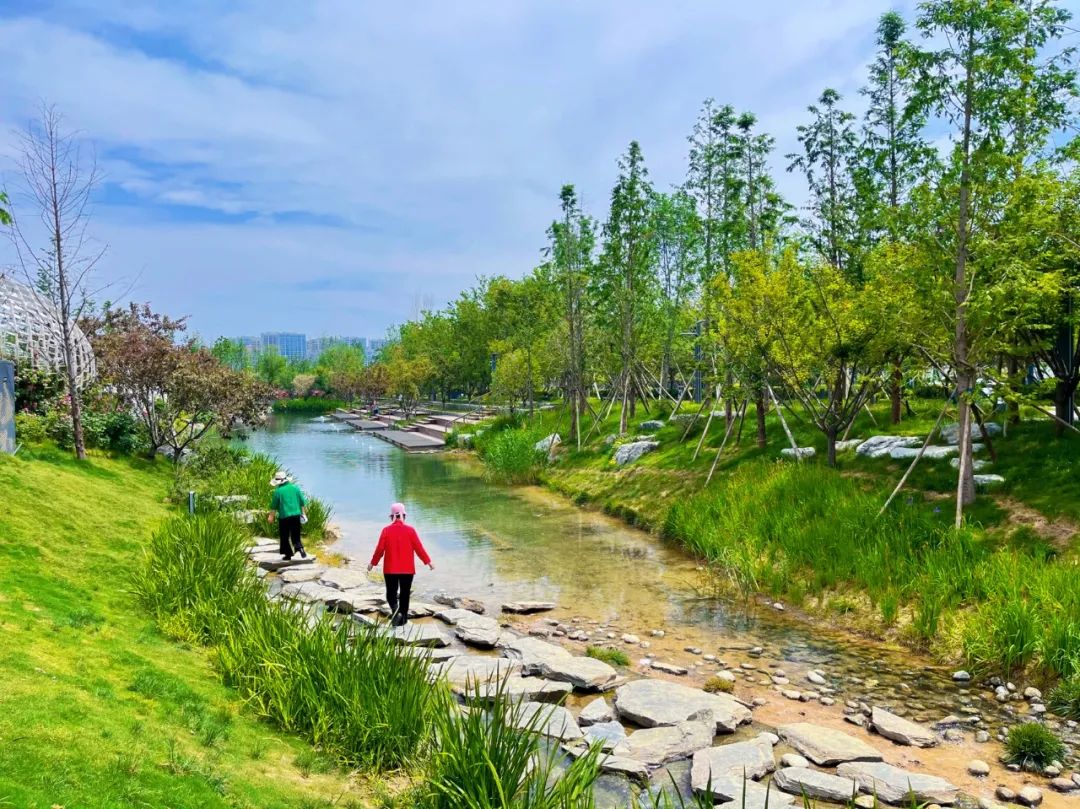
[499, 544]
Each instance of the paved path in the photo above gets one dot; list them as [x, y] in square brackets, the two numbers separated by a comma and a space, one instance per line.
[410, 442]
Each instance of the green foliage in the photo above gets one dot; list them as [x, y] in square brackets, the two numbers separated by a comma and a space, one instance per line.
[308, 404]
[1033, 746]
[611, 656]
[30, 428]
[718, 685]
[36, 389]
[510, 455]
[1064, 699]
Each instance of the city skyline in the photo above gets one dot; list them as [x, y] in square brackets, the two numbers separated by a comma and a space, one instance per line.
[298, 345]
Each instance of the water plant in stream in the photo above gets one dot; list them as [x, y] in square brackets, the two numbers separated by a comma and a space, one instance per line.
[614, 657]
[1032, 746]
[510, 455]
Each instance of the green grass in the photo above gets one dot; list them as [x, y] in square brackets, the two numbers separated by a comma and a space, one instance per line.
[1032, 746]
[100, 709]
[510, 456]
[613, 657]
[1064, 700]
[314, 405]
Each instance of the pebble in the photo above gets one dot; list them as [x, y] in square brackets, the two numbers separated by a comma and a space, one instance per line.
[778, 606]
[1029, 796]
[978, 768]
[954, 735]
[1038, 708]
[961, 676]
[1005, 794]
[758, 702]
[709, 658]
[1052, 771]
[1076, 778]
[781, 680]
[827, 701]
[867, 802]
[791, 693]
[747, 666]
[986, 803]
[628, 638]
[793, 760]
[856, 719]
[982, 737]
[657, 633]
[645, 644]
[756, 651]
[1032, 693]
[692, 650]
[1063, 784]
[815, 678]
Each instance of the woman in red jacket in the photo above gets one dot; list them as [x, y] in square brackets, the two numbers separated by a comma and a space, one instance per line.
[398, 543]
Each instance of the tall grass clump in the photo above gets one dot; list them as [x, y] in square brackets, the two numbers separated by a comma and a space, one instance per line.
[492, 758]
[197, 575]
[1032, 747]
[1064, 699]
[510, 455]
[349, 689]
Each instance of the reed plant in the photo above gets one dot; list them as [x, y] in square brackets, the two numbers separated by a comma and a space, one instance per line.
[1033, 746]
[510, 455]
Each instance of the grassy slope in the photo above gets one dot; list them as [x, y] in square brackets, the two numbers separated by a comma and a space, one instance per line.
[98, 709]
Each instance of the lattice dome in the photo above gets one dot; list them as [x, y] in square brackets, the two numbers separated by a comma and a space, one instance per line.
[30, 331]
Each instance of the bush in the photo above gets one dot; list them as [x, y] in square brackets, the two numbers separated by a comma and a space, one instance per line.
[1064, 700]
[510, 455]
[30, 428]
[715, 685]
[613, 657]
[1032, 747]
[308, 404]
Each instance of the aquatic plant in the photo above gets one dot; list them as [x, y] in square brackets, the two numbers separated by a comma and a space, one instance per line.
[716, 685]
[611, 656]
[1032, 746]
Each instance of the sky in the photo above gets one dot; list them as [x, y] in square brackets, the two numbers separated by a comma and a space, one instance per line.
[329, 167]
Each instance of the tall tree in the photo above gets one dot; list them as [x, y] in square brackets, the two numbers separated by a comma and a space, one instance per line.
[978, 75]
[58, 181]
[828, 161]
[625, 281]
[677, 229]
[572, 240]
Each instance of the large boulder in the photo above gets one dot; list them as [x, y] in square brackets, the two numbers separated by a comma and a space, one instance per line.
[478, 630]
[950, 433]
[717, 765]
[548, 443]
[553, 662]
[552, 721]
[900, 730]
[824, 746]
[798, 452]
[932, 452]
[814, 784]
[896, 786]
[879, 446]
[652, 703]
[651, 426]
[659, 745]
[628, 453]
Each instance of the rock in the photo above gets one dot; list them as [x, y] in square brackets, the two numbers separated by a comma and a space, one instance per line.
[866, 802]
[879, 446]
[607, 734]
[345, 578]
[309, 592]
[896, 786]
[1003, 793]
[900, 730]
[416, 609]
[1060, 784]
[742, 793]
[851, 443]
[816, 678]
[652, 703]
[735, 761]
[552, 721]
[826, 747]
[628, 453]
[301, 574]
[978, 768]
[231, 499]
[274, 562]
[793, 760]
[977, 464]
[517, 689]
[1029, 796]
[982, 737]
[798, 452]
[556, 663]
[478, 630]
[347, 601]
[950, 433]
[1052, 771]
[668, 668]
[815, 784]
[961, 676]
[460, 603]
[528, 607]
[631, 639]
[548, 444]
[658, 745]
[451, 616]
[988, 480]
[596, 712]
[621, 765]
[651, 426]
[465, 440]
[420, 635]
[1032, 693]
[930, 453]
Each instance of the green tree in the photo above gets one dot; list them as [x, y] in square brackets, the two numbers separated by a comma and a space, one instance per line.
[978, 76]
[624, 290]
[231, 353]
[341, 366]
[5, 214]
[272, 368]
[678, 232]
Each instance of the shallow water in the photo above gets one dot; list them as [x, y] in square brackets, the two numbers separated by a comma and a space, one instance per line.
[498, 544]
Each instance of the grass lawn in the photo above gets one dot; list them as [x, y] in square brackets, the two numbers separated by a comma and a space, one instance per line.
[98, 709]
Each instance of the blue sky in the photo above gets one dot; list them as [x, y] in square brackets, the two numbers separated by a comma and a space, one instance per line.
[325, 166]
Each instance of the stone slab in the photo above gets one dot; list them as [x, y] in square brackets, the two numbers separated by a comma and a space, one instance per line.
[528, 607]
[274, 561]
[552, 721]
[659, 745]
[815, 784]
[752, 760]
[900, 730]
[824, 746]
[895, 786]
[652, 703]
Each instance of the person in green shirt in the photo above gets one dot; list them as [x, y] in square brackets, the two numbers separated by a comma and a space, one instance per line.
[288, 505]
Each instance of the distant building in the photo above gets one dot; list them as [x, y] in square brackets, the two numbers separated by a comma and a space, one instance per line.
[317, 345]
[252, 345]
[292, 347]
[375, 345]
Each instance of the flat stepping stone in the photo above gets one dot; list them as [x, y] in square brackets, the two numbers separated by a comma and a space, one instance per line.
[415, 610]
[468, 671]
[263, 545]
[900, 730]
[353, 601]
[824, 746]
[596, 712]
[614, 764]
[432, 655]
[460, 603]
[714, 765]
[659, 745]
[299, 574]
[608, 735]
[451, 615]
[815, 784]
[896, 786]
[747, 794]
[552, 721]
[274, 562]
[517, 689]
[528, 607]
[419, 635]
[653, 703]
[479, 631]
[346, 578]
[553, 662]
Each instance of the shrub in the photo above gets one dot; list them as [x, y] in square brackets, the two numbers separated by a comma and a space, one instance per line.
[1032, 747]
[715, 685]
[1064, 700]
[30, 428]
[510, 456]
[613, 657]
[308, 404]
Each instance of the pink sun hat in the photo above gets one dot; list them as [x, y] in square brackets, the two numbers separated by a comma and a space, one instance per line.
[397, 510]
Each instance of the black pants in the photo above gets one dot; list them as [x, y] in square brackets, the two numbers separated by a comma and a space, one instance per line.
[398, 590]
[289, 536]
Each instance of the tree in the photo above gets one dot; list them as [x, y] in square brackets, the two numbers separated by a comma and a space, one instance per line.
[407, 377]
[231, 353]
[677, 229]
[272, 368]
[977, 74]
[828, 161]
[177, 390]
[342, 366]
[57, 183]
[5, 213]
[374, 382]
[572, 239]
[302, 384]
[624, 285]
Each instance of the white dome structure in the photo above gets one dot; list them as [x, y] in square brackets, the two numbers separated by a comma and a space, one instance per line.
[30, 331]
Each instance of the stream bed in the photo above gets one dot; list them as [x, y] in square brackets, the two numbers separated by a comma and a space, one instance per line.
[497, 544]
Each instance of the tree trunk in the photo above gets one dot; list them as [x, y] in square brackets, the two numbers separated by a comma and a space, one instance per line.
[759, 411]
[1063, 391]
[831, 436]
[76, 415]
[895, 393]
[1014, 406]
